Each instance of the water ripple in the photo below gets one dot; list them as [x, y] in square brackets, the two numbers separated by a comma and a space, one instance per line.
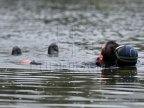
[72, 79]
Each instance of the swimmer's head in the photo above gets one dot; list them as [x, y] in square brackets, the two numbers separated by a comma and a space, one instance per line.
[16, 51]
[53, 50]
[108, 52]
[126, 55]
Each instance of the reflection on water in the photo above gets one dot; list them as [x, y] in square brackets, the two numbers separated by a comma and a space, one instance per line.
[79, 27]
[39, 89]
[125, 74]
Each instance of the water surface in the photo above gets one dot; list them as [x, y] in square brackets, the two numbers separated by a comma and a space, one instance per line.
[79, 27]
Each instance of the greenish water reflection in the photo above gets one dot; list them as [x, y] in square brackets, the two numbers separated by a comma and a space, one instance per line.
[110, 87]
[123, 75]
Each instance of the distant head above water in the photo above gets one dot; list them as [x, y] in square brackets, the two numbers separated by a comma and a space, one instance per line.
[16, 51]
[53, 50]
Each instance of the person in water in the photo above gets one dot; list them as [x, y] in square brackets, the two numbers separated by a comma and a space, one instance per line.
[107, 56]
[113, 54]
[52, 52]
[16, 51]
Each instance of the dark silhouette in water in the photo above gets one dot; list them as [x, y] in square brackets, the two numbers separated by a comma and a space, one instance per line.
[53, 50]
[35, 63]
[107, 57]
[114, 55]
[126, 55]
[119, 75]
[16, 51]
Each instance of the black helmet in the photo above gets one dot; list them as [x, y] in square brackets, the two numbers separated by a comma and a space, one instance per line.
[126, 55]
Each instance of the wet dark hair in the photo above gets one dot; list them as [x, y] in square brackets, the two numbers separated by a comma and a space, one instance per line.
[16, 51]
[108, 52]
[53, 50]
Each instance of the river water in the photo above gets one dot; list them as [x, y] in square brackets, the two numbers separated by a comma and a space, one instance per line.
[79, 27]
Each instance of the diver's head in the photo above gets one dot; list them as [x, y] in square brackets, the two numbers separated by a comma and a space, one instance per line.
[126, 55]
[16, 51]
[53, 50]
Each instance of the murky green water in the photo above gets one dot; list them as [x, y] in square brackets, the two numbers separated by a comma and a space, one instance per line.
[79, 27]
